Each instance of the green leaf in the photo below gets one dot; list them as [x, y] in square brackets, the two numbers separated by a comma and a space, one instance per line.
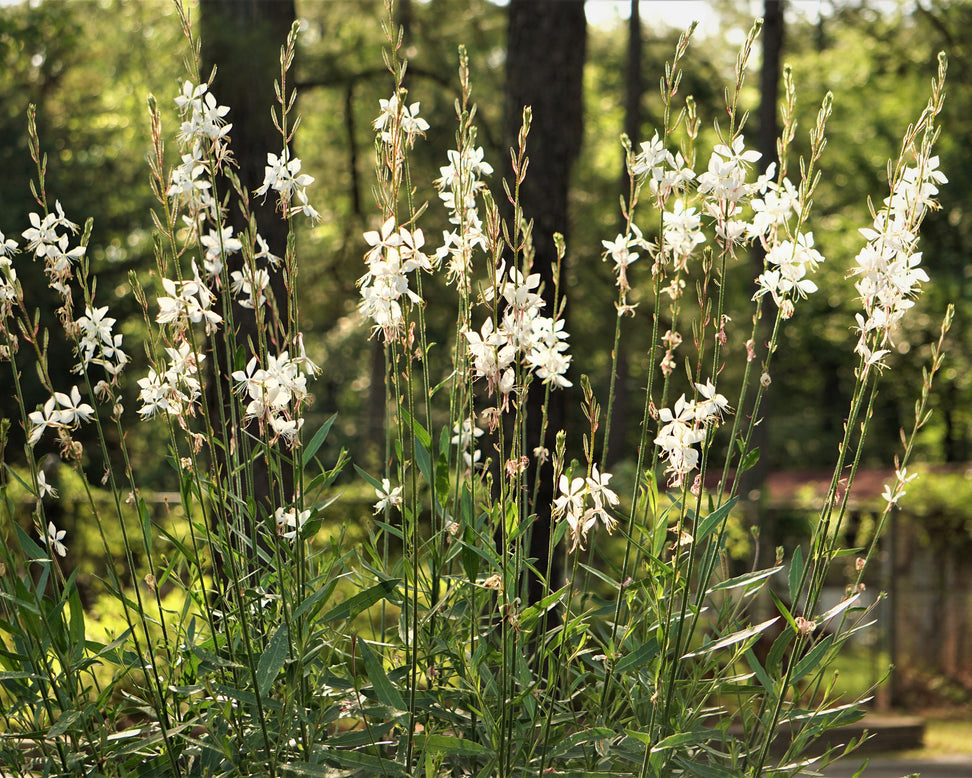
[313, 602]
[452, 746]
[760, 671]
[530, 615]
[837, 609]
[76, 609]
[735, 637]
[679, 739]
[421, 434]
[812, 659]
[442, 481]
[372, 481]
[583, 738]
[372, 765]
[784, 611]
[352, 606]
[64, 723]
[385, 690]
[749, 461]
[315, 443]
[272, 659]
[709, 524]
[796, 573]
[31, 550]
[703, 770]
[746, 579]
[638, 658]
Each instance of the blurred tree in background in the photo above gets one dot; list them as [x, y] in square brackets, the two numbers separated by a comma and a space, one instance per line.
[88, 65]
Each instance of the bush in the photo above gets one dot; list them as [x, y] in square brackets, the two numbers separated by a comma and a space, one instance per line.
[435, 643]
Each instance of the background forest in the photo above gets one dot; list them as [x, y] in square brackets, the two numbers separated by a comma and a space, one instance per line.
[88, 66]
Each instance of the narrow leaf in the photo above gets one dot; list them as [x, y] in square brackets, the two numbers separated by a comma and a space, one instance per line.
[453, 746]
[272, 659]
[735, 637]
[385, 690]
[315, 443]
[360, 602]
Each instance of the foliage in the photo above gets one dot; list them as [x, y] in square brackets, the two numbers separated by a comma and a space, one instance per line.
[255, 644]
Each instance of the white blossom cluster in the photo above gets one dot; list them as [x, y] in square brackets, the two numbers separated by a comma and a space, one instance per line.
[458, 185]
[397, 121]
[175, 390]
[275, 393]
[186, 302]
[10, 289]
[685, 425]
[46, 242]
[393, 253]
[523, 333]
[719, 198]
[583, 502]
[888, 269]
[97, 344]
[464, 437]
[282, 175]
[203, 135]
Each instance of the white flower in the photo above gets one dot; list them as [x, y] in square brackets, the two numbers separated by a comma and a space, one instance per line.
[44, 489]
[8, 247]
[42, 419]
[289, 522]
[387, 497]
[54, 538]
[72, 411]
[597, 487]
[714, 405]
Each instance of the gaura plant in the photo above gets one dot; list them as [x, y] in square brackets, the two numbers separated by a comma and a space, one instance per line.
[253, 642]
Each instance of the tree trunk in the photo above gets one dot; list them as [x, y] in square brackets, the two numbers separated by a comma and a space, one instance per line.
[634, 92]
[242, 39]
[769, 131]
[545, 65]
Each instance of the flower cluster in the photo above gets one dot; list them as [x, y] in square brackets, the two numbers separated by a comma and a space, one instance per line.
[889, 268]
[46, 243]
[685, 425]
[276, 392]
[187, 301]
[397, 119]
[10, 289]
[723, 193]
[523, 331]
[282, 175]
[203, 119]
[619, 250]
[583, 502]
[203, 136]
[895, 491]
[394, 252]
[793, 260]
[176, 389]
[218, 245]
[188, 183]
[665, 172]
[458, 185]
[97, 344]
